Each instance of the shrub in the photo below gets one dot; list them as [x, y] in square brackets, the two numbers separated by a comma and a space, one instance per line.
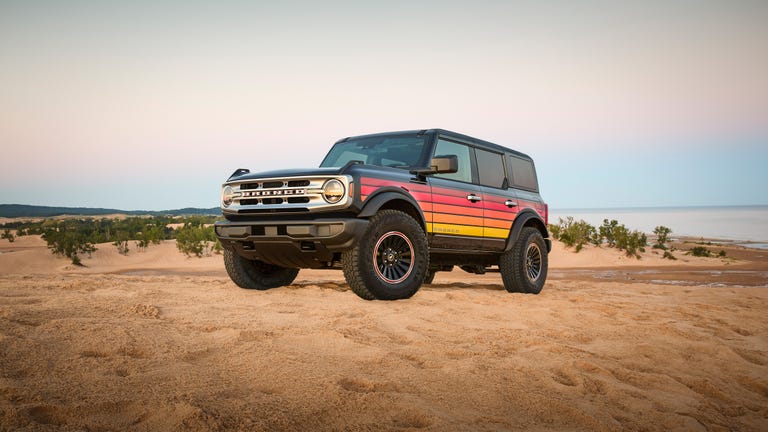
[121, 242]
[699, 251]
[554, 230]
[662, 237]
[619, 236]
[631, 242]
[575, 234]
[7, 234]
[197, 240]
[608, 231]
[721, 254]
[668, 255]
[67, 238]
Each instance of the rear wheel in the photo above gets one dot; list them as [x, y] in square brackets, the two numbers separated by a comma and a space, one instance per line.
[391, 259]
[254, 274]
[524, 267]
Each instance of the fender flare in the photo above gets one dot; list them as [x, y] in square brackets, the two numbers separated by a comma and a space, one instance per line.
[384, 195]
[525, 218]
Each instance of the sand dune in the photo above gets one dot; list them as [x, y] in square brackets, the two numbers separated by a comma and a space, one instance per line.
[158, 341]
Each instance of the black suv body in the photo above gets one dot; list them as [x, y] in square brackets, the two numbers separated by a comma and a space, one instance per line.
[390, 209]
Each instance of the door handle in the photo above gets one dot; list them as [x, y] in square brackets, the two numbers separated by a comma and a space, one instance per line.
[510, 203]
[473, 198]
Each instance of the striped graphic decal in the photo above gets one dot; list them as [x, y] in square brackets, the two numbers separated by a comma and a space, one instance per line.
[453, 214]
[447, 211]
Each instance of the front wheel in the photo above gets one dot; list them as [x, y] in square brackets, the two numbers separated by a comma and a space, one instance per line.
[524, 267]
[390, 260]
[429, 277]
[254, 274]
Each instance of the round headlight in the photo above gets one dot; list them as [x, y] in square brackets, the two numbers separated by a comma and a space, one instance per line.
[333, 191]
[227, 196]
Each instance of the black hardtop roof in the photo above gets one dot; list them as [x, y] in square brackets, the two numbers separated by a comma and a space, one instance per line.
[450, 134]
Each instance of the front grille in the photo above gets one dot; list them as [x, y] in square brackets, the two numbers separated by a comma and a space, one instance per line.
[277, 195]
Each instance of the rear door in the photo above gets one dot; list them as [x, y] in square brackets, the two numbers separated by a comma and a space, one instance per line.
[500, 204]
[457, 202]
[522, 177]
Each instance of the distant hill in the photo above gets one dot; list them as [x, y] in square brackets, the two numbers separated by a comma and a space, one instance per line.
[21, 210]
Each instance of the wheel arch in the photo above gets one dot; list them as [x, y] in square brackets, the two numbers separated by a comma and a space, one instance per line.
[393, 199]
[527, 218]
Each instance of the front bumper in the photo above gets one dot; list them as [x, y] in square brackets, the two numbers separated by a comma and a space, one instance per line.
[293, 244]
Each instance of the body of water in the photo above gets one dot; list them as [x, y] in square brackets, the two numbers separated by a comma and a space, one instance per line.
[749, 223]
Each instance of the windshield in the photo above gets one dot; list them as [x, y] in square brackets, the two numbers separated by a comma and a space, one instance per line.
[398, 151]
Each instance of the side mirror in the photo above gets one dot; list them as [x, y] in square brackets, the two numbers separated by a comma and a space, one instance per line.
[445, 164]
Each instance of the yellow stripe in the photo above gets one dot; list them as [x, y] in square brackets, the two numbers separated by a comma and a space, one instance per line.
[496, 233]
[462, 230]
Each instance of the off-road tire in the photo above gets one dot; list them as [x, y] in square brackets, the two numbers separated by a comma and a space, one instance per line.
[429, 277]
[398, 269]
[524, 267]
[254, 274]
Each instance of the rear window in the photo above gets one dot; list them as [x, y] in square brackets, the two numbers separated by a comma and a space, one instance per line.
[523, 174]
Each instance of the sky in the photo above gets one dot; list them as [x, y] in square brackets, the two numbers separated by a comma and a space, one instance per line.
[153, 104]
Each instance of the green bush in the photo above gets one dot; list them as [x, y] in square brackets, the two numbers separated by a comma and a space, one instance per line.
[579, 233]
[631, 242]
[668, 255]
[68, 238]
[662, 237]
[574, 233]
[699, 251]
[7, 234]
[198, 240]
[608, 231]
[554, 230]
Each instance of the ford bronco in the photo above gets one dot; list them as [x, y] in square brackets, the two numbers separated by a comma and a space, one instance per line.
[390, 210]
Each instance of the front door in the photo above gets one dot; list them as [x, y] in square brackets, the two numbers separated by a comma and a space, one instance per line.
[457, 203]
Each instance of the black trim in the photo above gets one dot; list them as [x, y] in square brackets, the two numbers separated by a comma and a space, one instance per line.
[386, 194]
[522, 218]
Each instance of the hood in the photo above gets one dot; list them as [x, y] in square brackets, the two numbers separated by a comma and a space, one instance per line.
[241, 174]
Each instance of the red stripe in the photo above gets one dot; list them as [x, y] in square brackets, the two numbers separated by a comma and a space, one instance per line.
[453, 209]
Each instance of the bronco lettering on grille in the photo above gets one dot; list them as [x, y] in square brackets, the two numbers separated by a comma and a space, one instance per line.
[272, 193]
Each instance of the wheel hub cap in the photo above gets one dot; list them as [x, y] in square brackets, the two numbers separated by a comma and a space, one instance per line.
[533, 262]
[393, 257]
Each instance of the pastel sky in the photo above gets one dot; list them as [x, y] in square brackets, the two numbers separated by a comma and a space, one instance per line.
[152, 104]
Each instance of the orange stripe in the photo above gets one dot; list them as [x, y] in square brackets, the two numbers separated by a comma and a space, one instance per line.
[495, 223]
[457, 220]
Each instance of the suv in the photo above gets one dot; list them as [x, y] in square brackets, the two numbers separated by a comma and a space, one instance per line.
[390, 210]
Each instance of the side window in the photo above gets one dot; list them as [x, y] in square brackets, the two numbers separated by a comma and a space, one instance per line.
[523, 174]
[447, 148]
[490, 167]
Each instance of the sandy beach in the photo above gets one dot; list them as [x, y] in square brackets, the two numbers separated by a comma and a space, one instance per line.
[158, 341]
